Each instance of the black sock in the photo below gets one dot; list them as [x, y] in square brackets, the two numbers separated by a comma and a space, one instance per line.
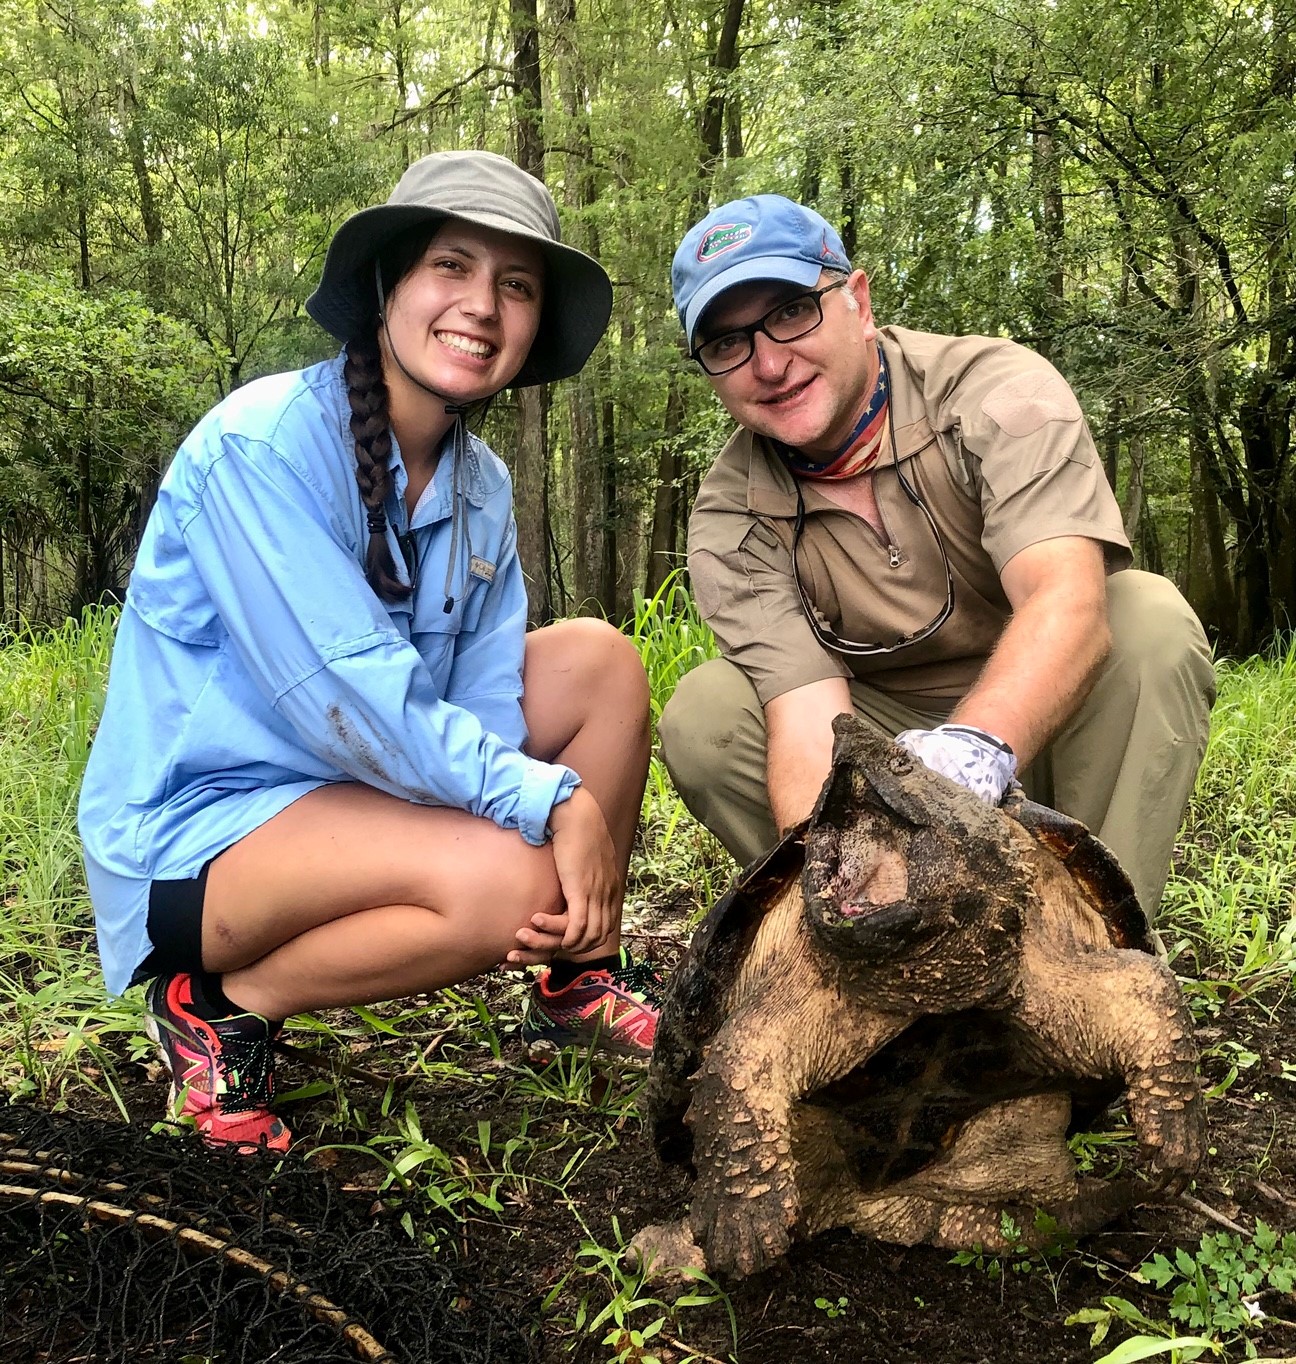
[209, 999]
[562, 972]
[211, 1002]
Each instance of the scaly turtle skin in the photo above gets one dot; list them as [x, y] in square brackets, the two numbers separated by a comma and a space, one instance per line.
[892, 1018]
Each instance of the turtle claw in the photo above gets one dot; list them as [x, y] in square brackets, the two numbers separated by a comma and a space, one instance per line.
[665, 1250]
[744, 1235]
[1172, 1139]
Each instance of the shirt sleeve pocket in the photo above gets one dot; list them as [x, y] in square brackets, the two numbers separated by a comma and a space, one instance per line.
[176, 605]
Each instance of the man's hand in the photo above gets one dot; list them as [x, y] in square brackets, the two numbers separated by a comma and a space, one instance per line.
[973, 758]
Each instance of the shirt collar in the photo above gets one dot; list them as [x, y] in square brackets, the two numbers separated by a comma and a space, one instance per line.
[481, 478]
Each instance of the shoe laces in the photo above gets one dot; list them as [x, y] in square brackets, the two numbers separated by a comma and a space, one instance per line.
[245, 1065]
[639, 978]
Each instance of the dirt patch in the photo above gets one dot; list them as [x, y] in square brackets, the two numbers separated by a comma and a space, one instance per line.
[583, 1171]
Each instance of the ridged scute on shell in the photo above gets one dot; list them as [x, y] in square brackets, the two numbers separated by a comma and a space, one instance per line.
[1093, 867]
[695, 1004]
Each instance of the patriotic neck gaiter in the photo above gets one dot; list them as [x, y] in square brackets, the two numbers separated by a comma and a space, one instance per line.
[860, 449]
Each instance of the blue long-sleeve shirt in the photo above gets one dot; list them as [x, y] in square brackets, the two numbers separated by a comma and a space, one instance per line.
[253, 662]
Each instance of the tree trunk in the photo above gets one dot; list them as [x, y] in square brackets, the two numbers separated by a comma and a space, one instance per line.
[1052, 226]
[663, 549]
[592, 483]
[531, 464]
[1208, 587]
[724, 62]
[150, 216]
[1134, 493]
[626, 540]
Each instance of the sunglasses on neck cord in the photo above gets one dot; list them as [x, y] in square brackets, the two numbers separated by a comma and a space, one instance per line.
[853, 648]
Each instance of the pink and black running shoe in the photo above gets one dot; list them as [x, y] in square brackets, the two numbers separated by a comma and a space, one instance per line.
[612, 1011]
[222, 1069]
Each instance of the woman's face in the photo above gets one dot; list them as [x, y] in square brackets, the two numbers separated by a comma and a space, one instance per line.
[463, 318]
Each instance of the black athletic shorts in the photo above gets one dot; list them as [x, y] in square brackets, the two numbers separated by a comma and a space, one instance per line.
[174, 926]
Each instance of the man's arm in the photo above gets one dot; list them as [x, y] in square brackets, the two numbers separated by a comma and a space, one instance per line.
[1037, 677]
[799, 739]
[1051, 650]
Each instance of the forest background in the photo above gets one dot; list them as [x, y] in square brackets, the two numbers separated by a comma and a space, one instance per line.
[1108, 181]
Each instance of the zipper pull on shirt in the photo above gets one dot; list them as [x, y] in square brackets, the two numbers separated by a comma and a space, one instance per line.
[893, 552]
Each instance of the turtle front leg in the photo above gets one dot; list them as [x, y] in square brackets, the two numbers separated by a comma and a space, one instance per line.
[1121, 1013]
[766, 1056]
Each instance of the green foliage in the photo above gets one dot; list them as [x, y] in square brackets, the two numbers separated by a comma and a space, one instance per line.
[633, 1317]
[1215, 1292]
[96, 385]
[1020, 1254]
[55, 1025]
[1229, 897]
[671, 637]
[1109, 183]
[1219, 1288]
[1154, 1338]
[675, 850]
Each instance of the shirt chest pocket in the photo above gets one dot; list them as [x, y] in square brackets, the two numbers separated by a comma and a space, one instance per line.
[433, 630]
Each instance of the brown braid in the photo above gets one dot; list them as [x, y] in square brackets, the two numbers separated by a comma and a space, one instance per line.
[371, 427]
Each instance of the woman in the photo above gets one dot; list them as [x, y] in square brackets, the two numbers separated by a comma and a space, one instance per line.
[332, 767]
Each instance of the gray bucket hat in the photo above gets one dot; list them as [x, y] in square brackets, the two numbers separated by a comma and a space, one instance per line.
[477, 187]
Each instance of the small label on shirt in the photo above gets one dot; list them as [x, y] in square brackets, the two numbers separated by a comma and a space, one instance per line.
[481, 568]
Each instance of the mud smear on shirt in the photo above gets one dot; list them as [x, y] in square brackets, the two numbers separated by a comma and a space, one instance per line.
[355, 743]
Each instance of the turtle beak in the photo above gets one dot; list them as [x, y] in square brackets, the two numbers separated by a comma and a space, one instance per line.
[856, 879]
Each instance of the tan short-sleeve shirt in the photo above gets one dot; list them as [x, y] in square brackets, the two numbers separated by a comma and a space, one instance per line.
[994, 443]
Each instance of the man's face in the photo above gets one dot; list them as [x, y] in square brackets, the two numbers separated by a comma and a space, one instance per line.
[809, 392]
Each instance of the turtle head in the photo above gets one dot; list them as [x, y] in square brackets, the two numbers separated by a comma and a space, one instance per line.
[903, 865]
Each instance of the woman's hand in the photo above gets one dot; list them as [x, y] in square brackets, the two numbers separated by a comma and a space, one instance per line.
[538, 942]
[586, 862]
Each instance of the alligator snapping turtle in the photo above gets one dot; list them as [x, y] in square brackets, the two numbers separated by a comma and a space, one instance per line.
[892, 1020]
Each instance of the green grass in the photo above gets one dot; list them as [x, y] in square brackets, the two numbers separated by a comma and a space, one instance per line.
[1230, 906]
[1232, 896]
[675, 854]
[403, 1089]
[56, 1027]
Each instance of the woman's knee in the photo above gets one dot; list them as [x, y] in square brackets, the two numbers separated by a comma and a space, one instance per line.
[507, 888]
[595, 661]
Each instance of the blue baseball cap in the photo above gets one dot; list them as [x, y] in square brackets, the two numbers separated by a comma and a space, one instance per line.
[764, 237]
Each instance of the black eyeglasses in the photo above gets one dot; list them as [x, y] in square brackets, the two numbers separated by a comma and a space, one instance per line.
[788, 321]
[852, 648]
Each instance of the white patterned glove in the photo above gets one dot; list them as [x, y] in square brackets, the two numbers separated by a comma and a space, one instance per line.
[969, 756]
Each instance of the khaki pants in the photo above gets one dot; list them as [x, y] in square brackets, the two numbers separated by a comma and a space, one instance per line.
[1124, 766]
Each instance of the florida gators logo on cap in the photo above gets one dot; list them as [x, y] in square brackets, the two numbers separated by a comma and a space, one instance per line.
[828, 252]
[721, 238]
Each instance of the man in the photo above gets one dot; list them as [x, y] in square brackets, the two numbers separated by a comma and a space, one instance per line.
[918, 528]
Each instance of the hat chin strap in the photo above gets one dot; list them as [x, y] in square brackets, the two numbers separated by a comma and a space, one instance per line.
[453, 409]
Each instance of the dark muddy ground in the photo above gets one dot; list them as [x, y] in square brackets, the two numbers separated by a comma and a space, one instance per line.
[905, 1305]
[888, 1304]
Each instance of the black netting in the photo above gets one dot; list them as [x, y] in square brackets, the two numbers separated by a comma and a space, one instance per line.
[120, 1245]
